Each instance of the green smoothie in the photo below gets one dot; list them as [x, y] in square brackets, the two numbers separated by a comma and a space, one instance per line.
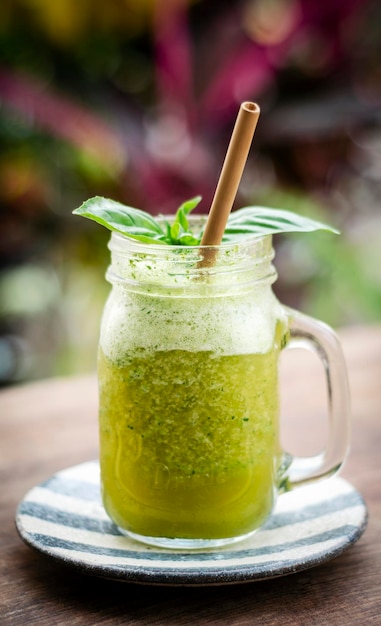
[188, 376]
[189, 441]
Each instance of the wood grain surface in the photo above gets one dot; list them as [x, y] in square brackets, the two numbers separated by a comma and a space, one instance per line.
[48, 426]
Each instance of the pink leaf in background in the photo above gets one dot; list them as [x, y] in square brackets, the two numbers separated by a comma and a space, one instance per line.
[60, 116]
[173, 57]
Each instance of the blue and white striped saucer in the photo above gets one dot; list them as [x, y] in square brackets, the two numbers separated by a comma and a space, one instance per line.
[64, 519]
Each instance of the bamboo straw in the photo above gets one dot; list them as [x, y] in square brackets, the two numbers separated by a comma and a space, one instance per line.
[230, 177]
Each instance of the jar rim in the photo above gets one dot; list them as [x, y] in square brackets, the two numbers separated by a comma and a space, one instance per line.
[180, 269]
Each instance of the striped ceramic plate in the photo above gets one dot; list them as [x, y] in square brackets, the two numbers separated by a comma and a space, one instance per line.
[64, 519]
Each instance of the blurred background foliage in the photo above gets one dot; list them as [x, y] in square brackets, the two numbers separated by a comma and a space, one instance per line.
[135, 100]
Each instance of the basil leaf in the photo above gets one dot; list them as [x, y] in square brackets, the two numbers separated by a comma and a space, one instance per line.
[184, 209]
[179, 236]
[175, 231]
[178, 233]
[254, 220]
[139, 225]
[123, 219]
[187, 239]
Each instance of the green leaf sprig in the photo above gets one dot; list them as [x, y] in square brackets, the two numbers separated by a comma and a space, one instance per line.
[139, 225]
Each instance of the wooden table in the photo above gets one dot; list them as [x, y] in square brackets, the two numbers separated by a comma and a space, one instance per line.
[47, 426]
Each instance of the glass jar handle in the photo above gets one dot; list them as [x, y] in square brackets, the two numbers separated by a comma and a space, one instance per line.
[306, 332]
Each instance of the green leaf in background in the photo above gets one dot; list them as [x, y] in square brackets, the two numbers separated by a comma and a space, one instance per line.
[255, 220]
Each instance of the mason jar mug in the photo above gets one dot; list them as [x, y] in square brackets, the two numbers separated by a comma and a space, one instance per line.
[189, 392]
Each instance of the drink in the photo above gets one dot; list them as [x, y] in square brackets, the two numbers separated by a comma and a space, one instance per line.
[189, 393]
[194, 452]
